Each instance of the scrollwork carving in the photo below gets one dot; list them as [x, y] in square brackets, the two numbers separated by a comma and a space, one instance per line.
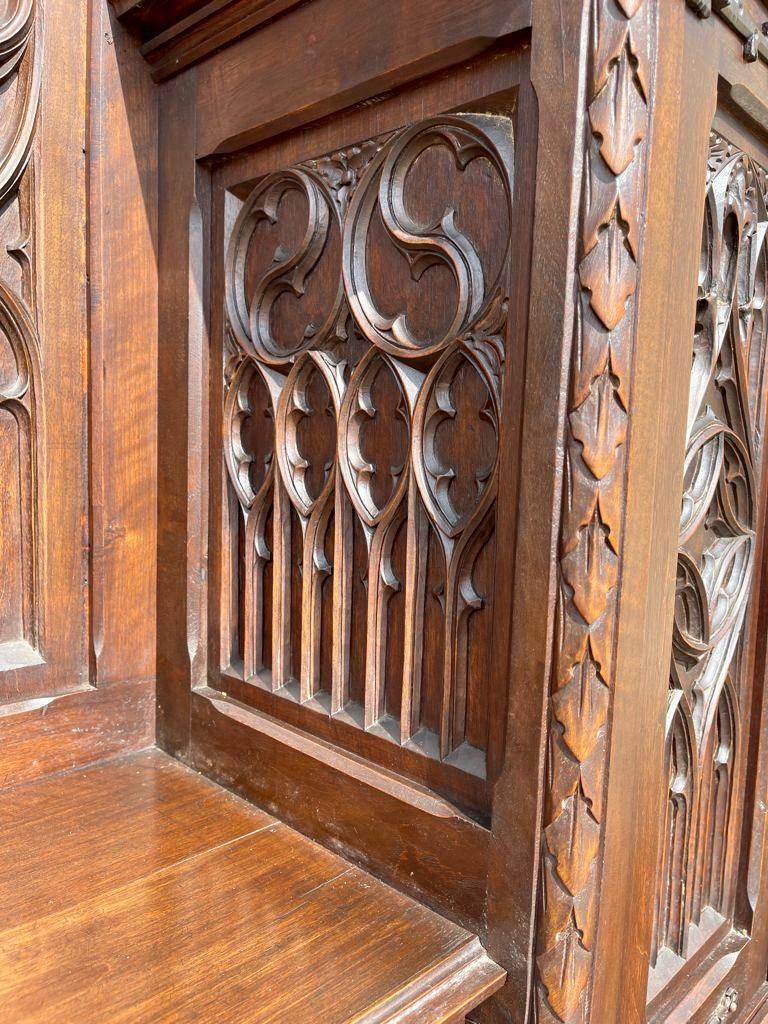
[21, 409]
[251, 305]
[424, 244]
[20, 73]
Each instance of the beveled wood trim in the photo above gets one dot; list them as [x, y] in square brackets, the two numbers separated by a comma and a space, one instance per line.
[248, 94]
[122, 174]
[216, 25]
[444, 994]
[182, 415]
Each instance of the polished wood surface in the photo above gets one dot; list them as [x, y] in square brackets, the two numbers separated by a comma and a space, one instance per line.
[78, 280]
[443, 356]
[162, 898]
[277, 166]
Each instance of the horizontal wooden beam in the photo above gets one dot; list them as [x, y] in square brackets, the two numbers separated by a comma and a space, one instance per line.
[293, 71]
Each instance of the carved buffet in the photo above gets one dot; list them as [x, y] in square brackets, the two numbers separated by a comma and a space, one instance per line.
[383, 396]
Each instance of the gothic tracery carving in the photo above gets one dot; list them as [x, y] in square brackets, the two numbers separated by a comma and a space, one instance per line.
[717, 542]
[382, 412]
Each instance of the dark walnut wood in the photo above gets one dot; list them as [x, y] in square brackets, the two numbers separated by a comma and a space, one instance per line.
[434, 525]
[197, 905]
[77, 445]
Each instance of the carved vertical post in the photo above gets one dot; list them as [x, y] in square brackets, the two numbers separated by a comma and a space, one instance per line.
[617, 92]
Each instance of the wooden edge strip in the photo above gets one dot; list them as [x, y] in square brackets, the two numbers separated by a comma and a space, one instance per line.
[362, 771]
[444, 993]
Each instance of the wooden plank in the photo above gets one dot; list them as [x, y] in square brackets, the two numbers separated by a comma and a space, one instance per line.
[53, 734]
[294, 70]
[144, 810]
[224, 915]
[123, 363]
[402, 832]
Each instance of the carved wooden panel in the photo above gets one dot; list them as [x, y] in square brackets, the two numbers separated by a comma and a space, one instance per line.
[21, 416]
[710, 685]
[367, 299]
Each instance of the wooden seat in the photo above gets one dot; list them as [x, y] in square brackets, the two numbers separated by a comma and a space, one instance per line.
[137, 891]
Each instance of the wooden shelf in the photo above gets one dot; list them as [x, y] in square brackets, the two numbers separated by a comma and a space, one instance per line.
[137, 891]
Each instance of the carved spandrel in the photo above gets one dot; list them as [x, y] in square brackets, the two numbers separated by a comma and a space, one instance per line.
[385, 438]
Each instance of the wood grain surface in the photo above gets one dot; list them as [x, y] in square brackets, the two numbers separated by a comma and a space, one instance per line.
[162, 898]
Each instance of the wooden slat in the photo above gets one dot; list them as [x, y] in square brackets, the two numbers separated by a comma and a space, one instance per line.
[161, 897]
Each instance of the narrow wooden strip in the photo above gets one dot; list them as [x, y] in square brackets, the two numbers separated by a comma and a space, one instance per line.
[281, 599]
[415, 583]
[342, 596]
[315, 571]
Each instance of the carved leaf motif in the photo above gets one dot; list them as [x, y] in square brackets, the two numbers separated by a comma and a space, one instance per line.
[564, 971]
[610, 31]
[558, 901]
[618, 116]
[610, 274]
[590, 568]
[600, 424]
[599, 393]
[581, 706]
[573, 839]
[630, 7]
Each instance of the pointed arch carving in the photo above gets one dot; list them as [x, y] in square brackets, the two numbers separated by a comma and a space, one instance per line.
[366, 290]
[722, 492]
